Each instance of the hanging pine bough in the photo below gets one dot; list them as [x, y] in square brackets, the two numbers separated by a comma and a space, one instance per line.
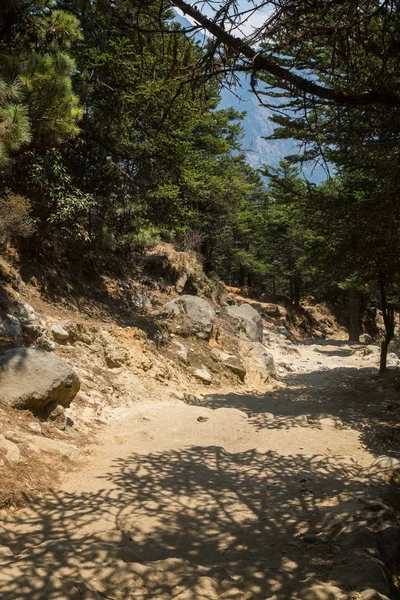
[356, 41]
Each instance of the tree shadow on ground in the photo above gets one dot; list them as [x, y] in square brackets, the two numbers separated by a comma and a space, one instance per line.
[202, 522]
[355, 396]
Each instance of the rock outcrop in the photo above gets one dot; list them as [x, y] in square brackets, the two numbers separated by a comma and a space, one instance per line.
[249, 321]
[31, 379]
[259, 362]
[191, 315]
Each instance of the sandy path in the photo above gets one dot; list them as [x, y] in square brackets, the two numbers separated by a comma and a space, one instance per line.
[220, 498]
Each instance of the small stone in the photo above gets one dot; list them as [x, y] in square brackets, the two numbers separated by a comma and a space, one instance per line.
[27, 313]
[219, 355]
[59, 332]
[11, 451]
[203, 375]
[58, 416]
[202, 419]
[35, 427]
[180, 351]
[47, 345]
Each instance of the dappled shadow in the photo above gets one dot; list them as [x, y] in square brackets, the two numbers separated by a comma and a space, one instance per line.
[200, 521]
[354, 396]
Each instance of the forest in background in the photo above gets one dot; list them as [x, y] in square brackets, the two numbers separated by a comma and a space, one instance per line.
[111, 139]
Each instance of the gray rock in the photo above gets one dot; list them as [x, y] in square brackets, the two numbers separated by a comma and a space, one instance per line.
[198, 314]
[181, 282]
[392, 358]
[258, 360]
[114, 354]
[203, 375]
[9, 450]
[249, 319]
[31, 378]
[180, 351]
[59, 332]
[10, 327]
[140, 300]
[362, 574]
[27, 313]
[56, 414]
[35, 427]
[291, 367]
[218, 355]
[47, 345]
[236, 366]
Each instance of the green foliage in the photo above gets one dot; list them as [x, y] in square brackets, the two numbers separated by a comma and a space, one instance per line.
[14, 217]
[37, 103]
[14, 122]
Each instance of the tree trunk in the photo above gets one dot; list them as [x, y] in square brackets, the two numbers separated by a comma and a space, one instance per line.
[296, 288]
[206, 250]
[354, 316]
[242, 277]
[291, 291]
[388, 319]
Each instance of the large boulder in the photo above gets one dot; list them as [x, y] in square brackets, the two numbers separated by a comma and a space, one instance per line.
[31, 378]
[236, 366]
[194, 315]
[249, 321]
[259, 362]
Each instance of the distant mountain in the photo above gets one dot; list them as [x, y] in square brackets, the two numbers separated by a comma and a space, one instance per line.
[257, 125]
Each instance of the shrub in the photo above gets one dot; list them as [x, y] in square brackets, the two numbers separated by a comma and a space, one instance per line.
[15, 220]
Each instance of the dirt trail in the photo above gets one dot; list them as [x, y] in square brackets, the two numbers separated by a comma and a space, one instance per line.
[222, 497]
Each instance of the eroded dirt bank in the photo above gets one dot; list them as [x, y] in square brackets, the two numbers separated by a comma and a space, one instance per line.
[224, 496]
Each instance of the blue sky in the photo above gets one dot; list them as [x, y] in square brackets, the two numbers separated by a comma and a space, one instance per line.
[252, 22]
